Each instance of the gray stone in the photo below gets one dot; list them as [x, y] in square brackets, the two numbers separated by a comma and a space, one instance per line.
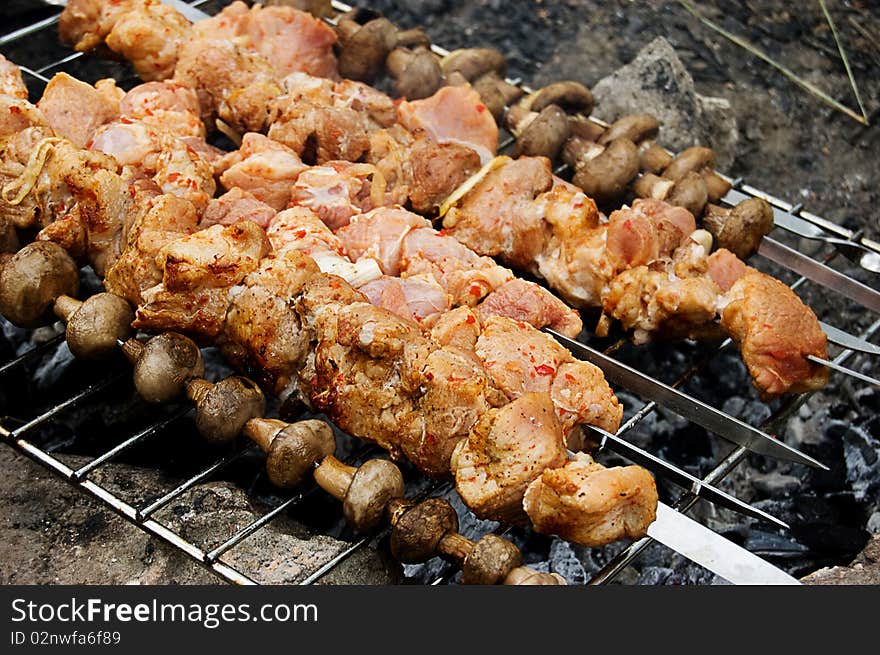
[52, 533]
[864, 569]
[657, 83]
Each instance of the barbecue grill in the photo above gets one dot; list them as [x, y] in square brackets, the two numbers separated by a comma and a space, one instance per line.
[22, 431]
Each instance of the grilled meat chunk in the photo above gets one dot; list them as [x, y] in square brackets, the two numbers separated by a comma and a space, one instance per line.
[506, 450]
[263, 167]
[75, 109]
[775, 331]
[521, 359]
[11, 82]
[453, 114]
[591, 505]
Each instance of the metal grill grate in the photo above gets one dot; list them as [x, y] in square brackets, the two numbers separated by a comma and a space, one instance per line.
[141, 512]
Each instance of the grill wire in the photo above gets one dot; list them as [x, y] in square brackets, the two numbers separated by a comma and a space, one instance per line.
[140, 512]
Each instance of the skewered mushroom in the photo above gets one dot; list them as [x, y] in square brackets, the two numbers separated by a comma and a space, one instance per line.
[416, 72]
[740, 228]
[163, 365]
[641, 129]
[364, 45]
[523, 575]
[32, 279]
[538, 134]
[430, 529]
[292, 449]
[698, 160]
[95, 326]
[222, 409]
[570, 96]
[605, 177]
[688, 192]
[364, 491]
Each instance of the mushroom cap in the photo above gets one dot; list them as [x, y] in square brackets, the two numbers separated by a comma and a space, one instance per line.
[32, 279]
[376, 482]
[295, 450]
[740, 229]
[418, 531]
[691, 159]
[689, 192]
[473, 63]
[635, 127]
[523, 575]
[490, 560]
[94, 330]
[495, 93]
[716, 186]
[605, 178]
[584, 128]
[653, 158]
[544, 135]
[573, 97]
[362, 51]
[165, 363]
[416, 72]
[227, 406]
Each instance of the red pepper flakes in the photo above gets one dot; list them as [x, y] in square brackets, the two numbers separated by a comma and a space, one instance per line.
[15, 110]
[481, 108]
[429, 375]
[470, 319]
[173, 177]
[570, 377]
[475, 290]
[544, 369]
[334, 284]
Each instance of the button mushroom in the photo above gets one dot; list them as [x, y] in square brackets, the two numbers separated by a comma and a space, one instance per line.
[95, 326]
[416, 72]
[606, 176]
[222, 409]
[570, 96]
[430, 529]
[698, 160]
[538, 134]
[364, 46]
[163, 365]
[741, 228]
[523, 575]
[292, 449]
[364, 491]
[416, 531]
[688, 191]
[641, 129]
[32, 279]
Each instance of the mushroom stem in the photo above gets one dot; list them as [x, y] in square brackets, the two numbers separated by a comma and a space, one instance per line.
[334, 477]
[133, 349]
[197, 389]
[262, 431]
[65, 307]
[455, 546]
